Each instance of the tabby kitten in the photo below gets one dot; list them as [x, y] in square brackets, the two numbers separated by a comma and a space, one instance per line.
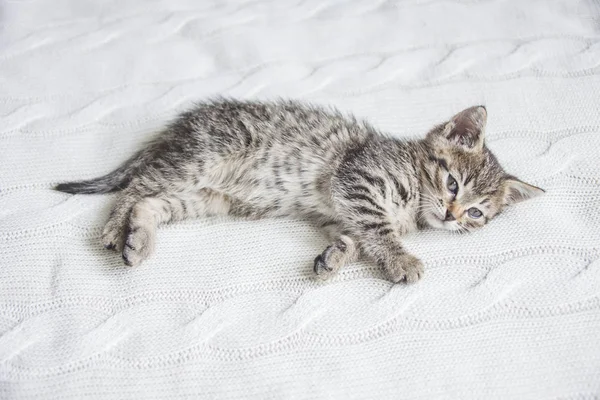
[275, 159]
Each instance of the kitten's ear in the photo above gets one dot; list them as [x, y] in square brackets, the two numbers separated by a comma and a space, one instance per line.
[467, 128]
[516, 191]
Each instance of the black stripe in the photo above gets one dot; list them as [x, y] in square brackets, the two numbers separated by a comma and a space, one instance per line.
[468, 179]
[401, 190]
[341, 246]
[360, 196]
[279, 184]
[375, 181]
[328, 223]
[360, 188]
[386, 231]
[373, 225]
[366, 210]
[184, 207]
[443, 163]
[348, 176]
[247, 136]
[427, 176]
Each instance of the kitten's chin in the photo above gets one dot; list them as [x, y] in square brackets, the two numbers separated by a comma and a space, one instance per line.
[433, 221]
[437, 223]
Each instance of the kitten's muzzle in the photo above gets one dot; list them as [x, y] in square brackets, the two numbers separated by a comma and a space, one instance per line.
[449, 216]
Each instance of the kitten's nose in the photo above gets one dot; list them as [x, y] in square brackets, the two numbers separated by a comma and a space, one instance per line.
[449, 216]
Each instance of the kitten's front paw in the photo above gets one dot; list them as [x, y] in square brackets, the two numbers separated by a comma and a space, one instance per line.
[138, 246]
[405, 267]
[329, 262]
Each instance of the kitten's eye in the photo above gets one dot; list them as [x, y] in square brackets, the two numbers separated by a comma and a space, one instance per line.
[474, 212]
[452, 185]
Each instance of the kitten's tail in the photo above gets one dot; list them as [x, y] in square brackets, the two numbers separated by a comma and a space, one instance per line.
[111, 182]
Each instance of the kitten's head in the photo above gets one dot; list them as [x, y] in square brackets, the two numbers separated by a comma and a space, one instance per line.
[464, 186]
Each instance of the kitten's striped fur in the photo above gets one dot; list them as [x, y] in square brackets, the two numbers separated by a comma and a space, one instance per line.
[276, 159]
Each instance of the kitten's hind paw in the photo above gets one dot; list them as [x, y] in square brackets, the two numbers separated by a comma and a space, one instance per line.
[113, 237]
[405, 267]
[138, 246]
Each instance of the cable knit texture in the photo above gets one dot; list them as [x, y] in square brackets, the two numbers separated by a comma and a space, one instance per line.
[228, 308]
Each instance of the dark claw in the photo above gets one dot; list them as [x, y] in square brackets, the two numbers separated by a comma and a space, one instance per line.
[125, 259]
[320, 264]
[316, 264]
[110, 246]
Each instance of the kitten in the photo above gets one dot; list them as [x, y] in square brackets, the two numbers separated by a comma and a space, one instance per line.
[276, 159]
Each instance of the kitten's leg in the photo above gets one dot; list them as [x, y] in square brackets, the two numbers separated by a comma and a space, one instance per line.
[389, 254]
[365, 216]
[150, 212]
[113, 235]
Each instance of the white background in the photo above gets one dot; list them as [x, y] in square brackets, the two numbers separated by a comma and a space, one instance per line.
[228, 308]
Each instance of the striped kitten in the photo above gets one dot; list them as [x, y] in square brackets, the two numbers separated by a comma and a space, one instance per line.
[254, 160]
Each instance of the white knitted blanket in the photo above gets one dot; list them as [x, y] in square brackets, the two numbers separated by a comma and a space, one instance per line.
[228, 309]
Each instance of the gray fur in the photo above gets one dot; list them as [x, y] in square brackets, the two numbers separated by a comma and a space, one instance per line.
[286, 159]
